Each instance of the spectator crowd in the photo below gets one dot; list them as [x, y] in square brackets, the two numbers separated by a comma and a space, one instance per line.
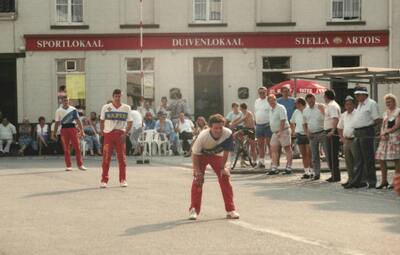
[280, 125]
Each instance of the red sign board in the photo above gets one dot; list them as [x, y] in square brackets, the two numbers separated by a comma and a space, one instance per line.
[325, 39]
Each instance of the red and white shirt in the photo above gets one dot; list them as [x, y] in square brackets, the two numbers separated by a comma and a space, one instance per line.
[115, 118]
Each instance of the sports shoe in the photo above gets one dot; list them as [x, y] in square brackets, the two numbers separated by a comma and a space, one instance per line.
[82, 168]
[103, 185]
[259, 166]
[273, 171]
[287, 171]
[192, 214]
[232, 215]
[68, 169]
[123, 184]
[306, 176]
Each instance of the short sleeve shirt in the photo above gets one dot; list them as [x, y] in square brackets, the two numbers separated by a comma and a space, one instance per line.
[332, 111]
[205, 144]
[298, 119]
[367, 113]
[276, 115]
[115, 118]
[261, 111]
[314, 119]
[66, 116]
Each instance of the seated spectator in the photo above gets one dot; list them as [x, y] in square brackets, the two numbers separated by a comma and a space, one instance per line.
[137, 129]
[94, 121]
[91, 138]
[8, 134]
[165, 126]
[25, 136]
[164, 106]
[148, 121]
[185, 129]
[201, 124]
[42, 134]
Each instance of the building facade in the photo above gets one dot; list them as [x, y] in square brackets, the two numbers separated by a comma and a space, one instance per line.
[212, 52]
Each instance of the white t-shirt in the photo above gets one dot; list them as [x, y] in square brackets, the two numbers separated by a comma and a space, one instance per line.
[137, 119]
[346, 123]
[367, 113]
[205, 144]
[314, 119]
[261, 111]
[332, 111]
[42, 131]
[66, 116]
[186, 126]
[276, 115]
[115, 118]
[7, 132]
[298, 120]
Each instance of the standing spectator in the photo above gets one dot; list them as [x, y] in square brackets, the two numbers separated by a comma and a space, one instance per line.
[263, 129]
[346, 133]
[212, 147]
[177, 106]
[389, 145]
[331, 120]
[67, 116]
[115, 124]
[137, 129]
[8, 134]
[314, 128]
[185, 129]
[91, 138]
[148, 121]
[281, 135]
[42, 134]
[165, 126]
[164, 107]
[365, 119]
[146, 108]
[233, 115]
[302, 140]
[287, 101]
[25, 136]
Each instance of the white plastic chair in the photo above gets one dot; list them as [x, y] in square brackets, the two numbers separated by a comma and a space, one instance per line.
[84, 147]
[147, 141]
[162, 143]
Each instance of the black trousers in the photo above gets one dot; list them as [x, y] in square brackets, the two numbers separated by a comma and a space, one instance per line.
[185, 136]
[364, 157]
[332, 154]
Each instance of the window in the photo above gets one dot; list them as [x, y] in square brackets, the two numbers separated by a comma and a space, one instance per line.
[71, 81]
[207, 10]
[69, 12]
[134, 85]
[7, 6]
[346, 9]
[273, 68]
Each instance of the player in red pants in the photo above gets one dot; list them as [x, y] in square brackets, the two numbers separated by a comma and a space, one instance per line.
[212, 147]
[115, 123]
[68, 116]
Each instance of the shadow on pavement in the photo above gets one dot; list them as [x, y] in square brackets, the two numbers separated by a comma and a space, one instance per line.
[62, 192]
[164, 226]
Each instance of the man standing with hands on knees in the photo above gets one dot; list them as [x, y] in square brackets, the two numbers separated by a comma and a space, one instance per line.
[115, 123]
[67, 116]
[212, 147]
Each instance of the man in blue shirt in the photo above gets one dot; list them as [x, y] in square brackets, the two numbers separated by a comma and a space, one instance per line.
[287, 101]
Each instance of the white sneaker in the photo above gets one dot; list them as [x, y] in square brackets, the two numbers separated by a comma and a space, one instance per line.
[82, 168]
[124, 184]
[103, 185]
[68, 169]
[232, 215]
[192, 214]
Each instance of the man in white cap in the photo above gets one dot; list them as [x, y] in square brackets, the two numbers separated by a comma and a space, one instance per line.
[365, 120]
[346, 132]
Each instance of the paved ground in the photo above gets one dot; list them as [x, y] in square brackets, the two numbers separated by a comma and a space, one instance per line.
[45, 210]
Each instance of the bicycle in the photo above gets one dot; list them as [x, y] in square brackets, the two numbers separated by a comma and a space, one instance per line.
[242, 148]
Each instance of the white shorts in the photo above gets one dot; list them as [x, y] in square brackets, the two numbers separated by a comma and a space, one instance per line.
[284, 140]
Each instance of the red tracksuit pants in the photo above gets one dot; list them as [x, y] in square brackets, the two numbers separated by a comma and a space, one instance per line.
[217, 165]
[70, 136]
[114, 139]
